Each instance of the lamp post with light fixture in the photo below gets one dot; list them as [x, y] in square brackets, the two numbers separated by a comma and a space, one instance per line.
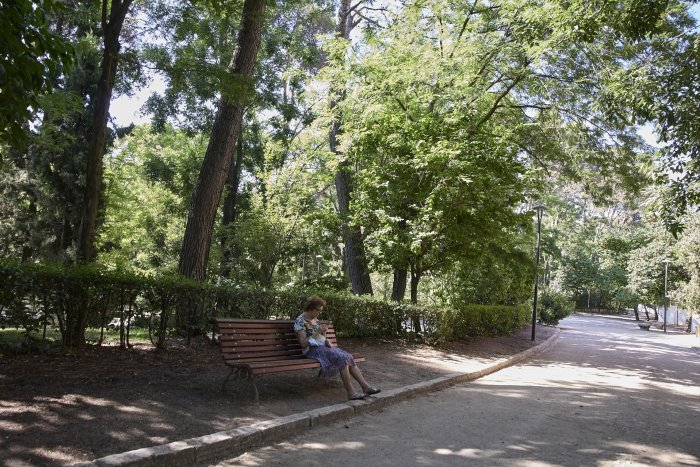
[666, 261]
[539, 210]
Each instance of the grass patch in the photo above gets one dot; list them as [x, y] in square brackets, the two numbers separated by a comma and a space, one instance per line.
[12, 339]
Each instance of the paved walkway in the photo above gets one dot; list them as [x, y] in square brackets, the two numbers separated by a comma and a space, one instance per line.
[606, 394]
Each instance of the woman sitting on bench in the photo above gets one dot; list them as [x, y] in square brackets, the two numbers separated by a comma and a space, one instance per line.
[333, 360]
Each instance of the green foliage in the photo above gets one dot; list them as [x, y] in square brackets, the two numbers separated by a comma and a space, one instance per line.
[480, 320]
[688, 248]
[646, 266]
[194, 57]
[625, 297]
[594, 246]
[659, 86]
[438, 175]
[148, 179]
[42, 180]
[553, 306]
[501, 275]
[32, 57]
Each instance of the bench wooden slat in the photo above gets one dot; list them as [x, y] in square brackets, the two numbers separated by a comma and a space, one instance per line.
[282, 368]
[287, 340]
[268, 340]
[253, 349]
[264, 353]
[278, 366]
[289, 362]
[258, 332]
[273, 325]
[245, 362]
[269, 322]
[287, 330]
[261, 352]
[259, 336]
[261, 332]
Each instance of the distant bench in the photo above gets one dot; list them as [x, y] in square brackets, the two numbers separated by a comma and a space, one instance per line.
[644, 325]
[257, 347]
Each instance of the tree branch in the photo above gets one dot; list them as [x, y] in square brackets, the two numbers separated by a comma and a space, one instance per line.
[539, 161]
[369, 20]
[464, 27]
[496, 105]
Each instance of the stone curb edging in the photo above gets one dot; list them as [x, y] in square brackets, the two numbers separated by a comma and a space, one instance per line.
[206, 449]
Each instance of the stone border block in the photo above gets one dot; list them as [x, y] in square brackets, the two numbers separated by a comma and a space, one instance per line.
[171, 454]
[444, 382]
[224, 444]
[284, 426]
[330, 414]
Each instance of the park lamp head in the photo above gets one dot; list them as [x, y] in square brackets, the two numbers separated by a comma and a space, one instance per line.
[539, 209]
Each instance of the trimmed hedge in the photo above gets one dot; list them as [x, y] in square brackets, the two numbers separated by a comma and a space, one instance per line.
[33, 297]
[481, 320]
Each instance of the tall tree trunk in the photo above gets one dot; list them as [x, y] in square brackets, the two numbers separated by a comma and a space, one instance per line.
[64, 238]
[415, 279]
[196, 243]
[398, 289]
[111, 29]
[229, 214]
[28, 248]
[398, 292]
[355, 259]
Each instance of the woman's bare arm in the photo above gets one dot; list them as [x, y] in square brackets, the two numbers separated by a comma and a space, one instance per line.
[301, 335]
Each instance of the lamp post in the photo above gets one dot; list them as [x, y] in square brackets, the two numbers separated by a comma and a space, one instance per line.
[318, 264]
[539, 210]
[666, 261]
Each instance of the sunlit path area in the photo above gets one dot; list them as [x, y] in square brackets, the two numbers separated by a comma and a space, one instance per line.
[606, 394]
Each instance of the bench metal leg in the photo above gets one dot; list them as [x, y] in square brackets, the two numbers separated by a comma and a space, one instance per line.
[233, 370]
[255, 390]
[241, 373]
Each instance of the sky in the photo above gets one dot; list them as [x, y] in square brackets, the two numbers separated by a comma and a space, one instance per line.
[125, 110]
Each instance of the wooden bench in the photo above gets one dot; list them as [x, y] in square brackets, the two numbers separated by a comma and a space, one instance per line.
[644, 325]
[253, 348]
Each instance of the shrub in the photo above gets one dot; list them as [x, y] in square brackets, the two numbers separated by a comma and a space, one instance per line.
[480, 320]
[553, 306]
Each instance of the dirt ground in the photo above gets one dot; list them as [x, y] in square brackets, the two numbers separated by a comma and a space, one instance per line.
[57, 410]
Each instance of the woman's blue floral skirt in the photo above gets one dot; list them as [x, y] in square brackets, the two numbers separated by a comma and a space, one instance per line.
[332, 360]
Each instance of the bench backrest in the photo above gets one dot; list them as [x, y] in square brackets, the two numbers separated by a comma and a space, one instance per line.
[258, 340]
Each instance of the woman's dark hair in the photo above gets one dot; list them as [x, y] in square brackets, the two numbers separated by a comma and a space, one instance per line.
[314, 302]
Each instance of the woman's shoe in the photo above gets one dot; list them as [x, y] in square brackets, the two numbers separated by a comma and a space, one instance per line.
[372, 390]
[357, 396]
